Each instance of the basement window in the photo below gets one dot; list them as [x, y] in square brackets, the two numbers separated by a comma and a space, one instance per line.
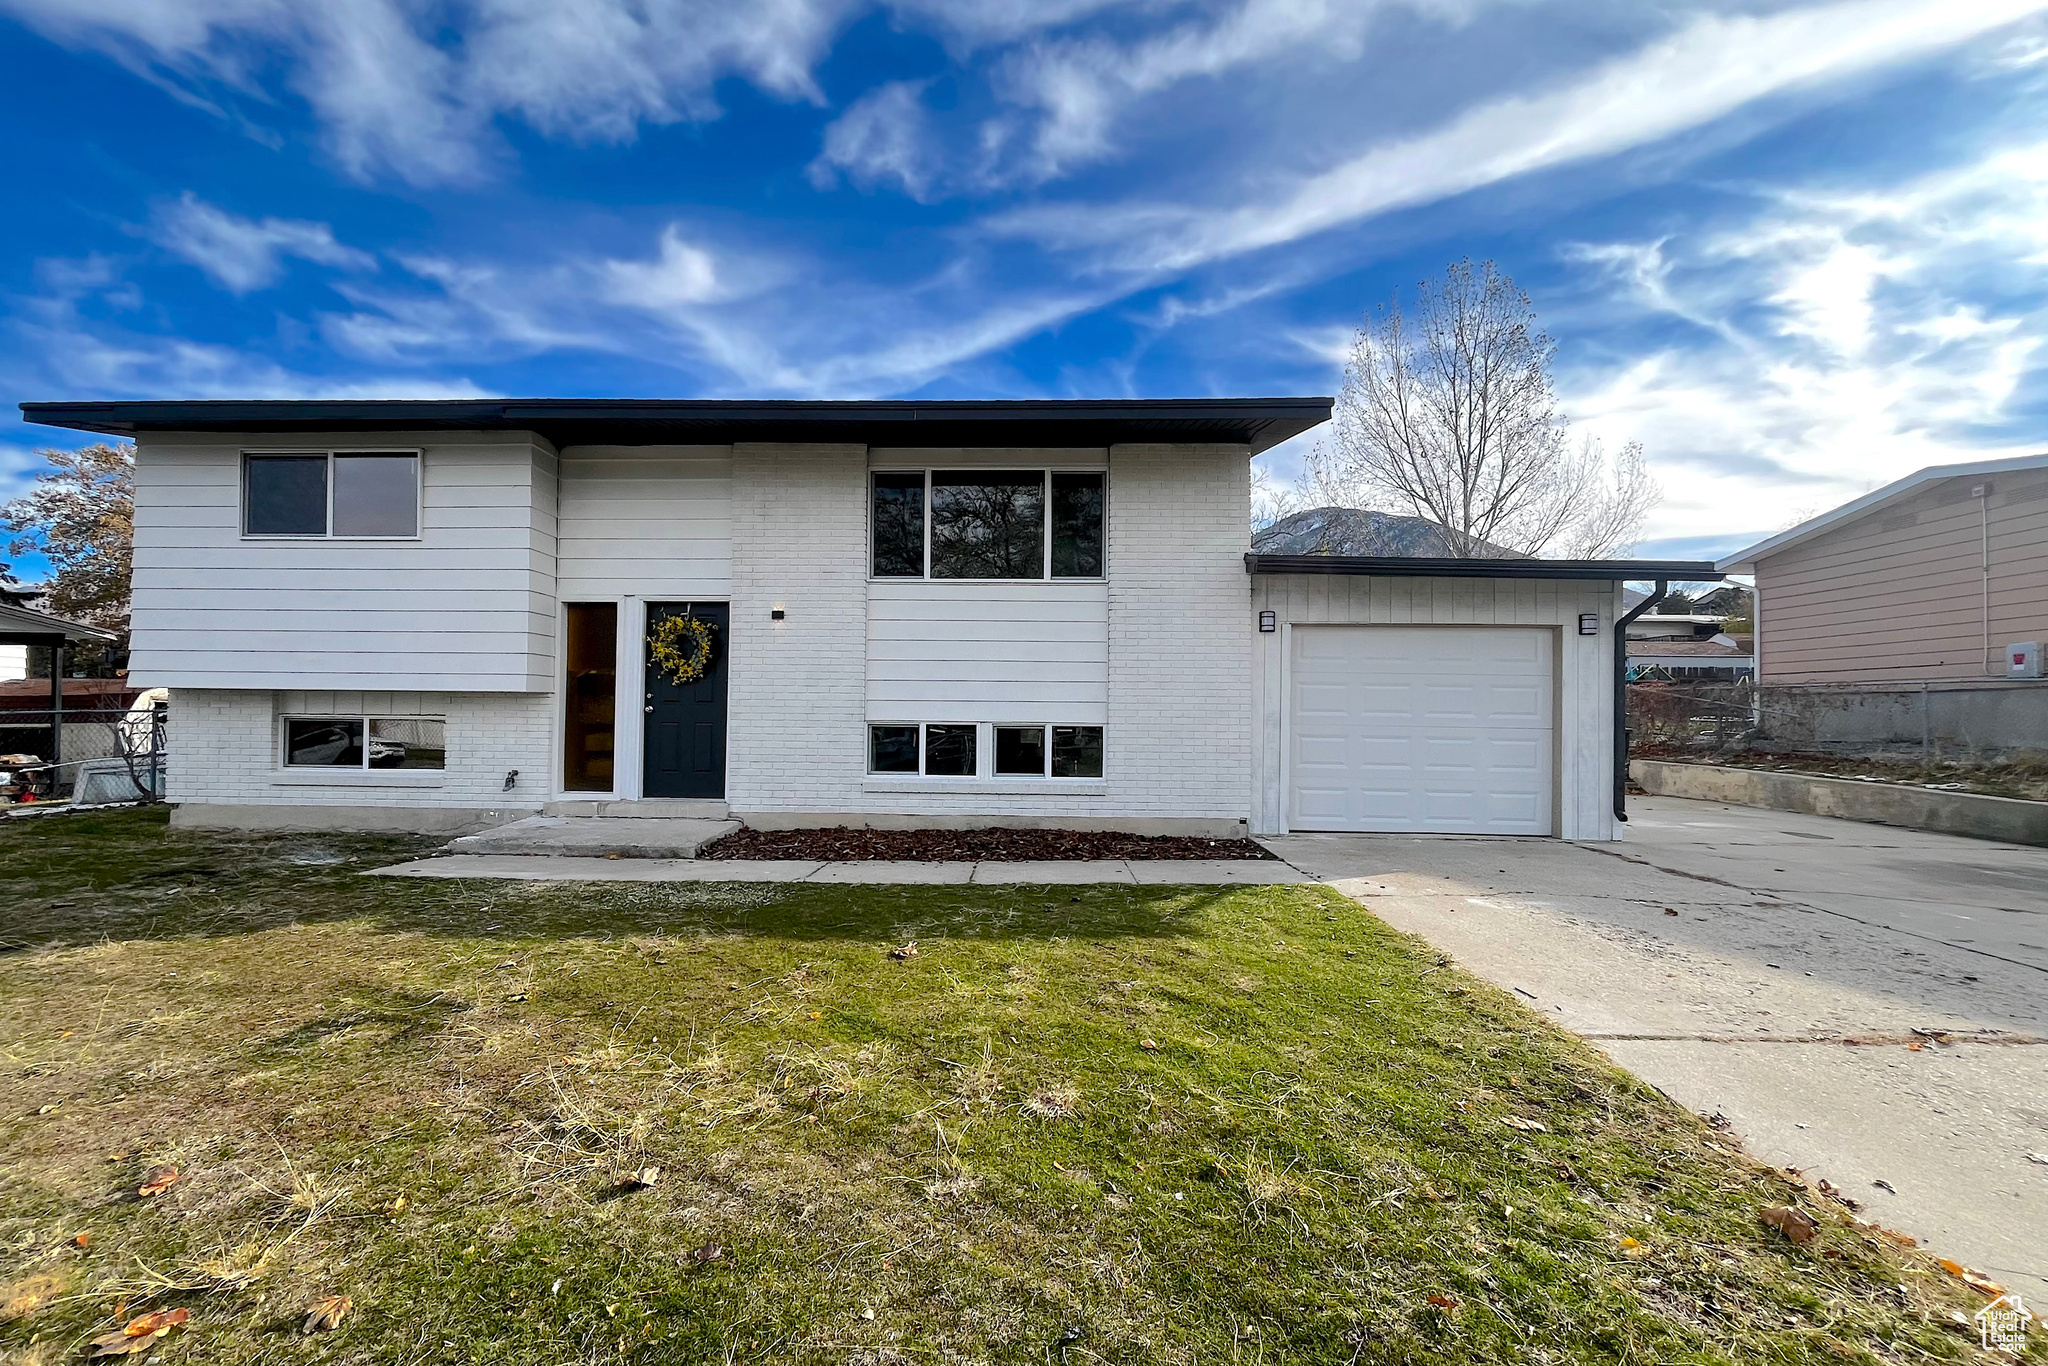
[350, 495]
[954, 750]
[365, 742]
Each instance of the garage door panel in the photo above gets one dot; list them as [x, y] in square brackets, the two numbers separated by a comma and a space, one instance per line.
[1440, 729]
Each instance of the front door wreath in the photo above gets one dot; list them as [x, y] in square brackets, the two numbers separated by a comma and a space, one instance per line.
[682, 648]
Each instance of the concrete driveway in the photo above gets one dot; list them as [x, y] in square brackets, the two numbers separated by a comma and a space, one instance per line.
[1773, 968]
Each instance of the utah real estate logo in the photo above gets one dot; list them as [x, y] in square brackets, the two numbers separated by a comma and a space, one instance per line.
[2003, 1323]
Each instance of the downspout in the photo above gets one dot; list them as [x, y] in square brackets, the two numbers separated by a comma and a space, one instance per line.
[1621, 697]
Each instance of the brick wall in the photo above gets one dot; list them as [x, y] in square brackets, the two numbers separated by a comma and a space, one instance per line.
[223, 750]
[1180, 631]
[797, 737]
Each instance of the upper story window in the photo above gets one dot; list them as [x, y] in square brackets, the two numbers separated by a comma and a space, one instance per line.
[987, 524]
[372, 494]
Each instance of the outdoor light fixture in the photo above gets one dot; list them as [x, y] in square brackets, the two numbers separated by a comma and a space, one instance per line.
[1589, 623]
[775, 614]
[1269, 621]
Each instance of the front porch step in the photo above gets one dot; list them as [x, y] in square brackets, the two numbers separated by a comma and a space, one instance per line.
[649, 808]
[638, 836]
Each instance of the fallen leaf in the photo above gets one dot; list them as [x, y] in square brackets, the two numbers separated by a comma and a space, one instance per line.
[908, 951]
[710, 1252]
[397, 1206]
[139, 1333]
[1977, 1281]
[1917, 1047]
[817, 1014]
[1526, 1125]
[1795, 1224]
[1885, 1185]
[2041, 1158]
[1669, 911]
[644, 1178]
[328, 1314]
[1149, 1045]
[159, 1180]
[49, 1109]
[1447, 1303]
[82, 1240]
[1634, 1247]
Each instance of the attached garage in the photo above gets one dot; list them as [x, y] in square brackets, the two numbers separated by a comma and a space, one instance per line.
[1465, 697]
[1445, 729]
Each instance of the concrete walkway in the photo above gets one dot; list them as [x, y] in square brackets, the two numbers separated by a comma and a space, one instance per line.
[1774, 968]
[567, 868]
[597, 836]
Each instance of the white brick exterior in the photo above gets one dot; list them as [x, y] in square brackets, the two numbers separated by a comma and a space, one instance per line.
[1180, 643]
[224, 751]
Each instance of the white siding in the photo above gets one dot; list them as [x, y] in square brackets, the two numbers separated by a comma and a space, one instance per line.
[13, 662]
[469, 606]
[980, 651]
[646, 521]
[1584, 742]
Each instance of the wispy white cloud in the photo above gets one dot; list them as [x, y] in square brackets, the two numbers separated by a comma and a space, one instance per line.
[1828, 342]
[1704, 71]
[886, 135]
[413, 90]
[242, 254]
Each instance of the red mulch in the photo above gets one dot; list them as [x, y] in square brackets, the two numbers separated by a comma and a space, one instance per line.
[946, 846]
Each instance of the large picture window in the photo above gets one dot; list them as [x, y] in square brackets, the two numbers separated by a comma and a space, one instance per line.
[365, 742]
[351, 494]
[987, 524]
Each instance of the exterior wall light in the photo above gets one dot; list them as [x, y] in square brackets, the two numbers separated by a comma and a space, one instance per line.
[1269, 621]
[1589, 623]
[775, 614]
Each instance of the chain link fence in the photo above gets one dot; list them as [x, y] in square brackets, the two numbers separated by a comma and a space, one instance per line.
[95, 757]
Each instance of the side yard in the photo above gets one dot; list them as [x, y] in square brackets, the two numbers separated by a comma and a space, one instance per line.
[887, 1124]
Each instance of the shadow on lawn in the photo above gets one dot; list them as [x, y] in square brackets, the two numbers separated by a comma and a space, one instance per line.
[126, 875]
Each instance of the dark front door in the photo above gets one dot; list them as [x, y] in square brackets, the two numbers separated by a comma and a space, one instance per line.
[685, 722]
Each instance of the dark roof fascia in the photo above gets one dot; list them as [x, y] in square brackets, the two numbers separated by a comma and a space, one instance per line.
[1409, 566]
[24, 626]
[1259, 423]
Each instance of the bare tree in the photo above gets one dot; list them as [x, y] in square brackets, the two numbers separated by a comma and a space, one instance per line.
[1454, 420]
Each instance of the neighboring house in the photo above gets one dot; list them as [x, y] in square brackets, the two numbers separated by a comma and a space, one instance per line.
[1719, 659]
[14, 657]
[1926, 580]
[444, 614]
[27, 707]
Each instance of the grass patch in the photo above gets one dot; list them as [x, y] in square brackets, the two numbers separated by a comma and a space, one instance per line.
[1172, 1125]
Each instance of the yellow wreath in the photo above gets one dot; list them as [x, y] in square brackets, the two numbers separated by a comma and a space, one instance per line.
[681, 647]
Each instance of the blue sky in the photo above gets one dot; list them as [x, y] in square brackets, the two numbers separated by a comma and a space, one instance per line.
[1796, 249]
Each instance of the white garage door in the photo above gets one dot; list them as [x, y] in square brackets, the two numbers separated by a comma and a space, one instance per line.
[1444, 729]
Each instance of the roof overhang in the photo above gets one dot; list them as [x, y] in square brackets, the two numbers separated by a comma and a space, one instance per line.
[20, 626]
[1744, 561]
[1408, 566]
[1259, 423]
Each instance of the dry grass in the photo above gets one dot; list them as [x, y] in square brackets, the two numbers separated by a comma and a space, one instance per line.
[428, 1097]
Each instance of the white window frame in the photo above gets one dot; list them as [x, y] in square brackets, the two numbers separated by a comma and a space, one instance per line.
[419, 501]
[285, 765]
[1045, 574]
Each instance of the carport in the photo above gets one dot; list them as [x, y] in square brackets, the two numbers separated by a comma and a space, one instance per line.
[1443, 696]
[20, 626]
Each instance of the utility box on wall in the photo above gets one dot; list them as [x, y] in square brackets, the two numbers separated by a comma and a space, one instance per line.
[2023, 659]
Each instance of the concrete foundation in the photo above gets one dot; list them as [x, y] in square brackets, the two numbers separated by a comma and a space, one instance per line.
[1914, 808]
[1933, 719]
[391, 820]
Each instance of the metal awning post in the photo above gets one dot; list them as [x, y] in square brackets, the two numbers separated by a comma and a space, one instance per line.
[57, 702]
[1621, 697]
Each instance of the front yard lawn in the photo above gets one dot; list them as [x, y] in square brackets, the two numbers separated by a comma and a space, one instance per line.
[1121, 1124]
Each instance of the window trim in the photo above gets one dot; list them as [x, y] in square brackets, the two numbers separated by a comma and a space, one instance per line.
[1045, 474]
[286, 767]
[419, 499]
[984, 777]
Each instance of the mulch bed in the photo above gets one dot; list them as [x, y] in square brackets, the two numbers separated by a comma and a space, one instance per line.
[965, 846]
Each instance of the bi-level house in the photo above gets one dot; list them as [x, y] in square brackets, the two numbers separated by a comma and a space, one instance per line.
[442, 615]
